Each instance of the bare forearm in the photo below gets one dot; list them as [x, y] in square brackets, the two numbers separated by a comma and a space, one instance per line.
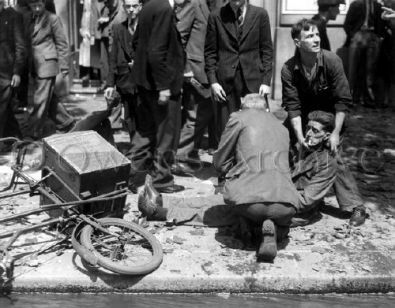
[339, 121]
[296, 123]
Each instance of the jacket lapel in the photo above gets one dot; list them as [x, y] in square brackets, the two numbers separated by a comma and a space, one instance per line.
[249, 21]
[227, 19]
[205, 11]
[125, 38]
[40, 25]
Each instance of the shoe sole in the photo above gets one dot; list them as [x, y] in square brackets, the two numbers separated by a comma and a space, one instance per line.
[268, 248]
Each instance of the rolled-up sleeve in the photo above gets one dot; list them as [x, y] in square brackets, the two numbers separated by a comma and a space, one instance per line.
[291, 100]
[340, 87]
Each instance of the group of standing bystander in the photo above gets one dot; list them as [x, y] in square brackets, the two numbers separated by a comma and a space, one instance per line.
[36, 52]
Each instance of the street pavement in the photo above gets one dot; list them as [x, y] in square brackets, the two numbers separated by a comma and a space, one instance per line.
[324, 257]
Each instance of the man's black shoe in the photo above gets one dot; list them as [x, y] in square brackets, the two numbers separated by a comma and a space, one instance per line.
[181, 169]
[305, 219]
[170, 189]
[358, 216]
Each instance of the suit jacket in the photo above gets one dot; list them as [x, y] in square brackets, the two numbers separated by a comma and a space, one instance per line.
[160, 59]
[12, 44]
[253, 154]
[121, 54]
[49, 47]
[356, 16]
[192, 25]
[224, 52]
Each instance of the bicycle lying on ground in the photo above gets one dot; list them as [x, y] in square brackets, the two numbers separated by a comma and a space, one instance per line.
[117, 245]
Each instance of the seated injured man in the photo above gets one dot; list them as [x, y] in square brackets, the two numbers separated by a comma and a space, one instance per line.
[253, 156]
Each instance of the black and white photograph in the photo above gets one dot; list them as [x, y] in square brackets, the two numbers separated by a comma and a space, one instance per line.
[197, 153]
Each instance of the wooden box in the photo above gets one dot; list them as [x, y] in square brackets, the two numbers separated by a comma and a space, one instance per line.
[88, 166]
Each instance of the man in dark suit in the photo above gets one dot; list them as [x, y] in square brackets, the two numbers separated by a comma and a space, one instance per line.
[12, 60]
[158, 70]
[49, 57]
[327, 10]
[197, 107]
[121, 62]
[238, 54]
[367, 33]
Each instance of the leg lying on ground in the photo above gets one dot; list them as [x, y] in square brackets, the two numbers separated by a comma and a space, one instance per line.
[348, 195]
[210, 211]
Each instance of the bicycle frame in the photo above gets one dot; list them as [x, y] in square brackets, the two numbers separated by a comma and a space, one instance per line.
[69, 209]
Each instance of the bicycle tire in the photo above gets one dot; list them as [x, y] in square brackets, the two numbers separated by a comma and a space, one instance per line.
[108, 253]
[81, 250]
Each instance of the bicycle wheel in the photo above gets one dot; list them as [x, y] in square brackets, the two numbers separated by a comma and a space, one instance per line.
[129, 250]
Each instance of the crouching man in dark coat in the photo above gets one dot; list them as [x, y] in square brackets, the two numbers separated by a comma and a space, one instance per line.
[253, 158]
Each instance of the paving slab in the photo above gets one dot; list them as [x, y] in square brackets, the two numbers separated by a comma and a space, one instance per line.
[324, 257]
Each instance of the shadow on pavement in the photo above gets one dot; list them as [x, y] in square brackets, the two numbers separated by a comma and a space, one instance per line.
[111, 279]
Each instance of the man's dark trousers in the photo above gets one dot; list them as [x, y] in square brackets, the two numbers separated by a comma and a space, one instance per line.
[233, 101]
[129, 103]
[47, 104]
[197, 114]
[346, 189]
[155, 142]
[8, 124]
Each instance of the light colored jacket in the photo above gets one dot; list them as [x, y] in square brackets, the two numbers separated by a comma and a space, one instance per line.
[253, 156]
[50, 50]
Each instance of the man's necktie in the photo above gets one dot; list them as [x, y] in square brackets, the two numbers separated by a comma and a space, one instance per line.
[239, 22]
[36, 19]
[239, 17]
[33, 23]
[131, 27]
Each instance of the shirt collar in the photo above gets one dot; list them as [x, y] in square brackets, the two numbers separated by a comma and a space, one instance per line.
[298, 63]
[243, 9]
[172, 3]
